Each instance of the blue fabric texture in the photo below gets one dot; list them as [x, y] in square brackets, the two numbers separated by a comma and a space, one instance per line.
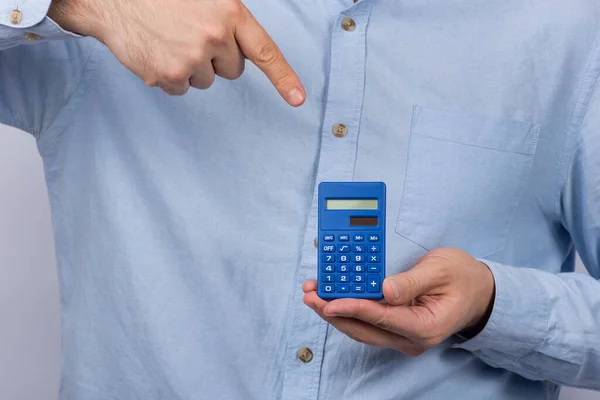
[185, 226]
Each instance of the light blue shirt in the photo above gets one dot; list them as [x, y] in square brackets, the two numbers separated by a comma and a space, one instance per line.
[185, 226]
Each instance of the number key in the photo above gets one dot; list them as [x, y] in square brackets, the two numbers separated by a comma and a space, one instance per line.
[343, 268]
[359, 258]
[328, 258]
[327, 288]
[328, 278]
[328, 268]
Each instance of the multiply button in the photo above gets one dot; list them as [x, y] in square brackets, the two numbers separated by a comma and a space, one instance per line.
[374, 258]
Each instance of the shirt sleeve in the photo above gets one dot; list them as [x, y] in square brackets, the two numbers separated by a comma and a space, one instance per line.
[26, 21]
[41, 65]
[546, 326]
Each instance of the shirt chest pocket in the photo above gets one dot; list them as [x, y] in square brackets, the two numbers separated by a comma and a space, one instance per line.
[465, 177]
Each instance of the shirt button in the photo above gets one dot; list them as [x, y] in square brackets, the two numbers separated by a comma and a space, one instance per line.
[31, 36]
[340, 130]
[348, 24]
[305, 354]
[316, 242]
[16, 16]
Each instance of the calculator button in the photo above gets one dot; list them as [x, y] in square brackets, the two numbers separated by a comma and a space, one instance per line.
[358, 258]
[373, 238]
[373, 283]
[343, 248]
[358, 278]
[358, 238]
[358, 268]
[373, 268]
[328, 248]
[343, 278]
[328, 258]
[358, 288]
[343, 288]
[373, 248]
[327, 288]
[359, 248]
[344, 258]
[328, 238]
[328, 278]
[374, 258]
[344, 238]
[343, 268]
[328, 268]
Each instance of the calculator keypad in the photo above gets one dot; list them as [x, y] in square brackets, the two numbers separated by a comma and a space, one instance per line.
[350, 263]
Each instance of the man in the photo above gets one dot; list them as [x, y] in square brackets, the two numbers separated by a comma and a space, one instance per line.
[182, 183]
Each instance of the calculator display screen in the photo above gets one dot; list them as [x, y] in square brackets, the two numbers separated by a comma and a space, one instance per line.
[363, 221]
[352, 204]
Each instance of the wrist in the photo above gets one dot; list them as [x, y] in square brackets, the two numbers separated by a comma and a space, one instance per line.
[485, 306]
[77, 16]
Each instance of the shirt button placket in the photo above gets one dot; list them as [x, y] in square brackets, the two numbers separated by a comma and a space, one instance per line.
[336, 163]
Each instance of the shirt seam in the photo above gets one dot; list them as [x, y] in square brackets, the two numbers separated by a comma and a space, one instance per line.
[578, 115]
[45, 134]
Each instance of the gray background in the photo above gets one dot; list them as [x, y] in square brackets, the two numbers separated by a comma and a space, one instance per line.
[29, 325]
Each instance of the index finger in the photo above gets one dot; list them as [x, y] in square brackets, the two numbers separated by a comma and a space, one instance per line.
[258, 47]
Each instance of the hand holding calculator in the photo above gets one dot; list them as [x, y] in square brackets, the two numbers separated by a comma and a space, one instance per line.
[351, 256]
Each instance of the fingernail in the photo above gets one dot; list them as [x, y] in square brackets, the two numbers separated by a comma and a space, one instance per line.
[295, 97]
[396, 287]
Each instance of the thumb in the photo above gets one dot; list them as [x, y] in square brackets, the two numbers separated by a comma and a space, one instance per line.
[404, 287]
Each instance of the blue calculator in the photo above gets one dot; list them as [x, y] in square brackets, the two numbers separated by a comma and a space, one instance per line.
[351, 256]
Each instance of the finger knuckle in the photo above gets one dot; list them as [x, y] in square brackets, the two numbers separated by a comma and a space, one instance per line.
[175, 75]
[218, 35]
[197, 56]
[411, 283]
[233, 8]
[151, 81]
[267, 54]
